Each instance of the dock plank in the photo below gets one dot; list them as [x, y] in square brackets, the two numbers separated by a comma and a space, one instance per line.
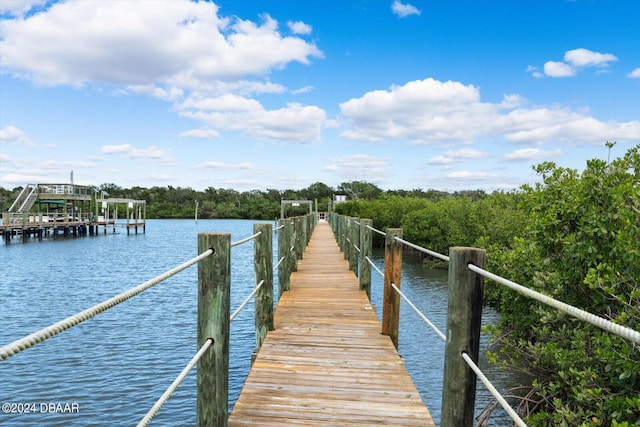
[326, 362]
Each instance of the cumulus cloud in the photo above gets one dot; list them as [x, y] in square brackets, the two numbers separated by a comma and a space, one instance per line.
[358, 167]
[144, 42]
[292, 123]
[201, 134]
[152, 153]
[574, 61]
[558, 69]
[13, 135]
[180, 51]
[224, 166]
[527, 154]
[458, 156]
[299, 27]
[429, 111]
[635, 74]
[19, 7]
[403, 10]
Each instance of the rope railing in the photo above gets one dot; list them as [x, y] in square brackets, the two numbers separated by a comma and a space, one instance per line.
[246, 301]
[174, 385]
[424, 318]
[494, 392]
[421, 249]
[604, 324]
[71, 321]
[207, 344]
[600, 322]
[52, 330]
[375, 230]
[246, 239]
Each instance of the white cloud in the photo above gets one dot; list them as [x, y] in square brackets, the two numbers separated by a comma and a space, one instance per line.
[293, 123]
[404, 10]
[150, 153]
[358, 167]
[224, 166]
[558, 69]
[526, 154]
[635, 74]
[13, 135]
[299, 27]
[458, 156]
[574, 61]
[201, 134]
[425, 111]
[586, 58]
[19, 7]
[146, 42]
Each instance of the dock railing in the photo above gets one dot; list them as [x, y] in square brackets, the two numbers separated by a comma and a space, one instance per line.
[466, 275]
[214, 316]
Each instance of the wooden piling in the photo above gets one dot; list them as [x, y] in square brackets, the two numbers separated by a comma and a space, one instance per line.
[214, 279]
[392, 274]
[263, 266]
[284, 246]
[464, 314]
[366, 245]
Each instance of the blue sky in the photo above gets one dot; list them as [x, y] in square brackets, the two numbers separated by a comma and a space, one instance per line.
[450, 95]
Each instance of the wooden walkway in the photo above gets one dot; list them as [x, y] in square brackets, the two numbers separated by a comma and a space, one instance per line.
[326, 363]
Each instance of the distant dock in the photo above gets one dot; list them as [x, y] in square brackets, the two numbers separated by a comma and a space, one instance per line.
[68, 210]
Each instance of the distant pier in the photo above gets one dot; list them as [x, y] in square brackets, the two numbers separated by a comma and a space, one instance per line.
[68, 210]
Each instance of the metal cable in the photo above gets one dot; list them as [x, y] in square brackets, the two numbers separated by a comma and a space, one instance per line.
[421, 249]
[623, 331]
[246, 301]
[41, 335]
[514, 416]
[174, 385]
[246, 239]
[442, 336]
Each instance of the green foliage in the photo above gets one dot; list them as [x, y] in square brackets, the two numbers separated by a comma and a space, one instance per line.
[581, 246]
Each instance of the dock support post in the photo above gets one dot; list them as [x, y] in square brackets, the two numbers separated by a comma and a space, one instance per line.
[354, 236]
[392, 274]
[284, 250]
[214, 279]
[263, 267]
[366, 245]
[464, 313]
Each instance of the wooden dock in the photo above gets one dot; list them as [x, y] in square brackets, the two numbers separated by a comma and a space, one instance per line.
[326, 362]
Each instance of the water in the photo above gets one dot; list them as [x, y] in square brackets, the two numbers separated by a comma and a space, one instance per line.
[115, 366]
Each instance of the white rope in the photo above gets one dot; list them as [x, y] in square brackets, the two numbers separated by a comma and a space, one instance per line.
[246, 239]
[421, 249]
[246, 301]
[375, 267]
[278, 228]
[376, 230]
[442, 336]
[514, 416]
[41, 335]
[174, 385]
[623, 331]
[278, 264]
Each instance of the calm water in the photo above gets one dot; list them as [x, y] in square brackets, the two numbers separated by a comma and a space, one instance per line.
[116, 365]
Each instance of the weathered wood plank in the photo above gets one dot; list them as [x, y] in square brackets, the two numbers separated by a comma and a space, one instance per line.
[326, 362]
